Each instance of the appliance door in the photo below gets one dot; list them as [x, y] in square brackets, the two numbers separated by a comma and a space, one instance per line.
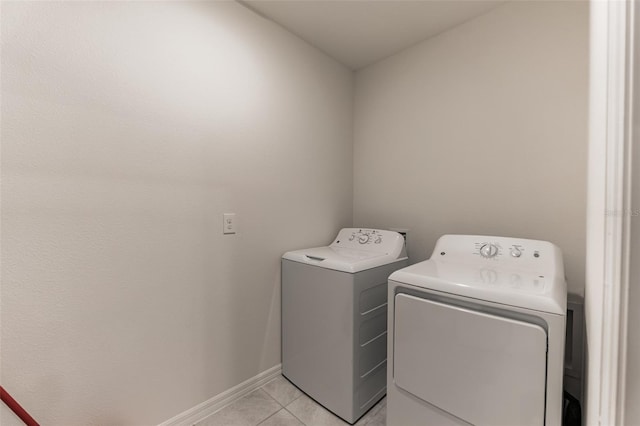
[481, 368]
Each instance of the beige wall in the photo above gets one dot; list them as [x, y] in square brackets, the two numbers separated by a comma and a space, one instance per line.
[480, 130]
[128, 128]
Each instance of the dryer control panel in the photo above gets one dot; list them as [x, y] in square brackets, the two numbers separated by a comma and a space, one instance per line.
[490, 249]
[517, 253]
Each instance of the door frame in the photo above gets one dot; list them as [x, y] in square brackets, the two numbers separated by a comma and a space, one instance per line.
[608, 201]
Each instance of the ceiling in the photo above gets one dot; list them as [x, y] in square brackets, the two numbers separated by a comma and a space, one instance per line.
[360, 32]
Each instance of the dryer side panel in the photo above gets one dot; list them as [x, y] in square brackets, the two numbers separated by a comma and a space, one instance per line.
[483, 369]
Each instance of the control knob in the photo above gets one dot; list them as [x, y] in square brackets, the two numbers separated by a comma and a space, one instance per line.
[363, 239]
[488, 250]
[516, 252]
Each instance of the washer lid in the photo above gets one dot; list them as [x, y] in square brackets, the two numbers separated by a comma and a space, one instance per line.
[354, 250]
[485, 282]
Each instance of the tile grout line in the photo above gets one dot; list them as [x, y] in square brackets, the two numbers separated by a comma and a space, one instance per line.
[299, 419]
[244, 397]
[284, 407]
[270, 396]
[373, 410]
[264, 420]
[295, 417]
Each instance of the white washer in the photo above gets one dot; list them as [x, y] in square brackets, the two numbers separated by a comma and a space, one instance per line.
[334, 318]
[476, 335]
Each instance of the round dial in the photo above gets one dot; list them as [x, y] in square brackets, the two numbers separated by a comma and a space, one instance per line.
[488, 250]
[516, 252]
[362, 239]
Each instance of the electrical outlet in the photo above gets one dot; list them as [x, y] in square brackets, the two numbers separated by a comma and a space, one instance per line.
[229, 223]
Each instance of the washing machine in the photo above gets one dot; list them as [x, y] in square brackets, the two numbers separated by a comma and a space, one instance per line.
[476, 335]
[334, 318]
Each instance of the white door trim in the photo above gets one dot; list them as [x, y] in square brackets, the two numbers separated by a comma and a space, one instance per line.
[608, 204]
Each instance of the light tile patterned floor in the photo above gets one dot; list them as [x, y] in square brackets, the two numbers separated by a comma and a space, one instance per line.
[279, 403]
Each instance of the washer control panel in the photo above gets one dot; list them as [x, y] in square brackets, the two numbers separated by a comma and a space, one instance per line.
[372, 240]
[366, 236]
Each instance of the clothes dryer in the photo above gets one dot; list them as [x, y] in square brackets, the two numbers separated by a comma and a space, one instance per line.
[476, 335]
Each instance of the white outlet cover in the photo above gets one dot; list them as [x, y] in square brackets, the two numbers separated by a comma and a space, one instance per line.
[229, 223]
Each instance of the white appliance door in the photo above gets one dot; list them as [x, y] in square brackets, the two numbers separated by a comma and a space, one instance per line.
[484, 369]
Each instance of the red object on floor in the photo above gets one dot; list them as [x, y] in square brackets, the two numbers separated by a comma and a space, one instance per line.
[17, 408]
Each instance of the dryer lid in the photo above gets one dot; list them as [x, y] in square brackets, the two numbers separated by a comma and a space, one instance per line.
[354, 250]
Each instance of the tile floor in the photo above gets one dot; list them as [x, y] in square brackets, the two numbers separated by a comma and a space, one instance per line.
[279, 403]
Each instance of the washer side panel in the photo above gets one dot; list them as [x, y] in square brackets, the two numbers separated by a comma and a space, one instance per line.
[317, 333]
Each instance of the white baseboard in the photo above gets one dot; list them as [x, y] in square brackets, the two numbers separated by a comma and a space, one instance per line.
[207, 408]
